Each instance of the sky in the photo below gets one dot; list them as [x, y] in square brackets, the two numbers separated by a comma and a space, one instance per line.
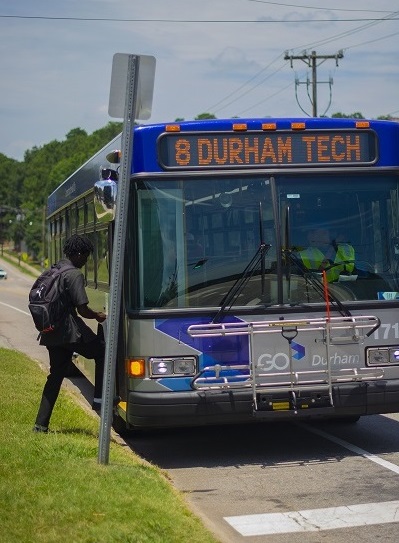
[224, 57]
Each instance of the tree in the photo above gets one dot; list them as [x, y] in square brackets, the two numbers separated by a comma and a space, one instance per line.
[205, 116]
[11, 182]
[26, 185]
[356, 115]
[44, 168]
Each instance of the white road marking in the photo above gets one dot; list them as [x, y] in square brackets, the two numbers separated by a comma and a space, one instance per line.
[353, 448]
[315, 520]
[16, 308]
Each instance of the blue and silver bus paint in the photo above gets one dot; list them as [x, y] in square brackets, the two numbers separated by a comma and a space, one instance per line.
[303, 365]
[235, 375]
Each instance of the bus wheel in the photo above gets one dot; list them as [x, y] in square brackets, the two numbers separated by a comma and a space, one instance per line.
[347, 419]
[119, 425]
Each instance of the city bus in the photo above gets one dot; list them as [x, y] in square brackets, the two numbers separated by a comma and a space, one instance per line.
[260, 278]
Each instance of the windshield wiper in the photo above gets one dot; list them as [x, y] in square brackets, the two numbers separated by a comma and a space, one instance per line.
[239, 284]
[311, 277]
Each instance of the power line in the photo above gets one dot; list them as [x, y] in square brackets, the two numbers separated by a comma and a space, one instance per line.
[321, 42]
[243, 85]
[318, 7]
[251, 89]
[346, 33]
[371, 41]
[266, 99]
[370, 22]
[213, 110]
[185, 21]
[314, 44]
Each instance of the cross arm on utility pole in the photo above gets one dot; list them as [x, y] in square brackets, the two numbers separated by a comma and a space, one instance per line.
[311, 60]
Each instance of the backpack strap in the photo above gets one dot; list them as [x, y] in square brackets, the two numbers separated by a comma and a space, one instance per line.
[60, 270]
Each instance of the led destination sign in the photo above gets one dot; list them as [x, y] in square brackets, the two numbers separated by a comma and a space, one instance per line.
[240, 150]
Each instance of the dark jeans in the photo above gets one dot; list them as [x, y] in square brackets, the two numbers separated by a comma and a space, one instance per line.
[60, 358]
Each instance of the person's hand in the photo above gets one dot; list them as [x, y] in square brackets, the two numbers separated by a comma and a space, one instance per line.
[100, 316]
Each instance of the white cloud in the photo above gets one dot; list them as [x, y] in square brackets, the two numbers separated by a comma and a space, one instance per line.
[56, 73]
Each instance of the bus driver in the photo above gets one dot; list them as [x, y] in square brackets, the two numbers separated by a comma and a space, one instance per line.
[333, 256]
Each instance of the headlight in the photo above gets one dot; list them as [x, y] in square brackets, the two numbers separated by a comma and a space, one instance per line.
[380, 357]
[184, 365]
[394, 355]
[161, 366]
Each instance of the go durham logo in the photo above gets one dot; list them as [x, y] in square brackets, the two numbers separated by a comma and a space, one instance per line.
[281, 361]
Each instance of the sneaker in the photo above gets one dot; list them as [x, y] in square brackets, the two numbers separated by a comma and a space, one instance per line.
[38, 428]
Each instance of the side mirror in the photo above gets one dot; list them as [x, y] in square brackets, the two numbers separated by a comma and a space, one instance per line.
[108, 173]
[105, 192]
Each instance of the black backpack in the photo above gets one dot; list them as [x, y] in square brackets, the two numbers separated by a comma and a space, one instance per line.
[46, 304]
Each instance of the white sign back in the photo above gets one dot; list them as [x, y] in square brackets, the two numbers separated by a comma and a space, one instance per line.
[145, 86]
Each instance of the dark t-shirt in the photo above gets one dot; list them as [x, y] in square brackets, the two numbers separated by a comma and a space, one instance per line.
[74, 330]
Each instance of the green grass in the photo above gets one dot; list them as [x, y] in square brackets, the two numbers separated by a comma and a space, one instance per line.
[52, 488]
[12, 259]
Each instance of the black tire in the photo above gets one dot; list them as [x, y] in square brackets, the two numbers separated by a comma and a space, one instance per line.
[119, 425]
[346, 419]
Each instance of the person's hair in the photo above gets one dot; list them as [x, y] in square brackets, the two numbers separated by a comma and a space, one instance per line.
[77, 244]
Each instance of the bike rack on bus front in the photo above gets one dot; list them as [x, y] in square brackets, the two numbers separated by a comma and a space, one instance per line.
[241, 376]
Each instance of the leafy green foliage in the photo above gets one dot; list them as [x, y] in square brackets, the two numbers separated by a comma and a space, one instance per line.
[339, 115]
[385, 118]
[205, 116]
[27, 184]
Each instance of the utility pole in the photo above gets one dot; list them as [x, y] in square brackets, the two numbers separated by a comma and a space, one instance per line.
[312, 61]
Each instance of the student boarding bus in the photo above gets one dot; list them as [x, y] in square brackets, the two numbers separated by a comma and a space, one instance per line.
[261, 268]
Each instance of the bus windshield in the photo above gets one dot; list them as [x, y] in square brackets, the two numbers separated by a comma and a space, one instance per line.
[197, 235]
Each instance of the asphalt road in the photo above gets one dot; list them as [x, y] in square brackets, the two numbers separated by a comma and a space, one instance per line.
[273, 483]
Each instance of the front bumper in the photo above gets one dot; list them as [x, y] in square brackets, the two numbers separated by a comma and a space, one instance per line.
[196, 408]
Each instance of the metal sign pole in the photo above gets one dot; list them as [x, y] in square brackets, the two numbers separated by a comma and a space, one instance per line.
[118, 261]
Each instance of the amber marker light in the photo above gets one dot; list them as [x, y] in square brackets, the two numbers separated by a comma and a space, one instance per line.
[362, 124]
[172, 128]
[114, 157]
[135, 367]
[240, 127]
[298, 126]
[269, 126]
